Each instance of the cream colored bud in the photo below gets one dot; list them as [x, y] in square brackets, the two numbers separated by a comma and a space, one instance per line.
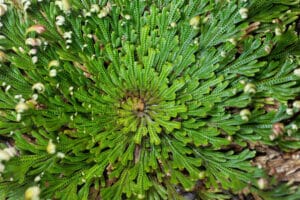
[34, 59]
[194, 21]
[232, 41]
[103, 13]
[95, 8]
[32, 51]
[297, 72]
[289, 111]
[250, 88]
[39, 87]
[3, 9]
[51, 147]
[262, 183]
[32, 193]
[278, 31]
[294, 127]
[60, 20]
[33, 42]
[60, 155]
[244, 13]
[245, 113]
[37, 178]
[128, 17]
[296, 104]
[21, 107]
[140, 196]
[4, 155]
[66, 6]
[267, 49]
[11, 151]
[53, 63]
[52, 73]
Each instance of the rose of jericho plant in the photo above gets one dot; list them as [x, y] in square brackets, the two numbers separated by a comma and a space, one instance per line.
[146, 99]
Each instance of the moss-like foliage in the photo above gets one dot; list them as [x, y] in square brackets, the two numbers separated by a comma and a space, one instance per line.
[146, 99]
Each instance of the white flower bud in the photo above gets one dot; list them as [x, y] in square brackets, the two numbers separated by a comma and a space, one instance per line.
[11, 151]
[37, 178]
[296, 104]
[245, 113]
[52, 73]
[39, 87]
[223, 54]
[262, 183]
[194, 21]
[32, 193]
[127, 17]
[51, 148]
[34, 59]
[66, 6]
[278, 31]
[33, 42]
[4, 155]
[267, 49]
[94, 8]
[294, 127]
[103, 13]
[289, 111]
[21, 107]
[67, 35]
[244, 13]
[60, 155]
[250, 88]
[32, 51]
[3, 9]
[297, 72]
[60, 20]
[140, 196]
[18, 117]
[232, 41]
[53, 63]
[35, 97]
